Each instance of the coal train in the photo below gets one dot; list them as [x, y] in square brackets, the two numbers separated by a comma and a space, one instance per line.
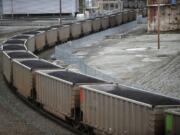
[101, 107]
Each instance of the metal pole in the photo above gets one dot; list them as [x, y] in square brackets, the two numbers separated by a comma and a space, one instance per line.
[158, 30]
[60, 11]
[12, 9]
[83, 6]
[108, 5]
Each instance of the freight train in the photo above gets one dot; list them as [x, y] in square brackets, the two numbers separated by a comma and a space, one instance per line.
[101, 107]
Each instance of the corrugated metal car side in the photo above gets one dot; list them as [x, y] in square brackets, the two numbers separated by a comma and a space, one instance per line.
[134, 15]
[56, 96]
[86, 27]
[6, 67]
[22, 78]
[76, 30]
[51, 36]
[30, 44]
[119, 18]
[105, 22]
[96, 24]
[128, 16]
[64, 33]
[40, 40]
[131, 15]
[112, 20]
[125, 17]
[118, 115]
[114, 116]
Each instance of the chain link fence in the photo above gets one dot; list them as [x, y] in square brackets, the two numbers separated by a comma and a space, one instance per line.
[64, 52]
[80, 64]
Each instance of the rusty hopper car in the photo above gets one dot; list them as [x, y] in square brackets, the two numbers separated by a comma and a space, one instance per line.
[13, 47]
[23, 74]
[112, 20]
[64, 33]
[86, 27]
[75, 29]
[40, 39]
[105, 22]
[131, 15]
[115, 109]
[7, 61]
[30, 41]
[125, 16]
[119, 18]
[134, 15]
[58, 92]
[96, 24]
[51, 35]
[172, 122]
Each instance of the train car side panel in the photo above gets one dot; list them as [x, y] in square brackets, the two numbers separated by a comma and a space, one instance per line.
[112, 20]
[51, 37]
[22, 79]
[119, 18]
[86, 27]
[40, 41]
[96, 24]
[30, 44]
[76, 30]
[56, 96]
[64, 33]
[6, 67]
[125, 17]
[105, 22]
[113, 116]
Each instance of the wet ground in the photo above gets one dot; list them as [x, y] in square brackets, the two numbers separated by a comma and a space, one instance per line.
[130, 55]
[70, 52]
[16, 118]
[135, 60]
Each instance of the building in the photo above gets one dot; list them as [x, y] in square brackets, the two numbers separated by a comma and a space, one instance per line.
[104, 6]
[134, 3]
[110, 5]
[1, 7]
[169, 13]
[38, 6]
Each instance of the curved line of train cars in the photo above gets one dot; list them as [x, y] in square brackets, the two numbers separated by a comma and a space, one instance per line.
[101, 106]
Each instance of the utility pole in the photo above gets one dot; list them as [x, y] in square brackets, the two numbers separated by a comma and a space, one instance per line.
[83, 4]
[158, 29]
[12, 9]
[109, 6]
[60, 11]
